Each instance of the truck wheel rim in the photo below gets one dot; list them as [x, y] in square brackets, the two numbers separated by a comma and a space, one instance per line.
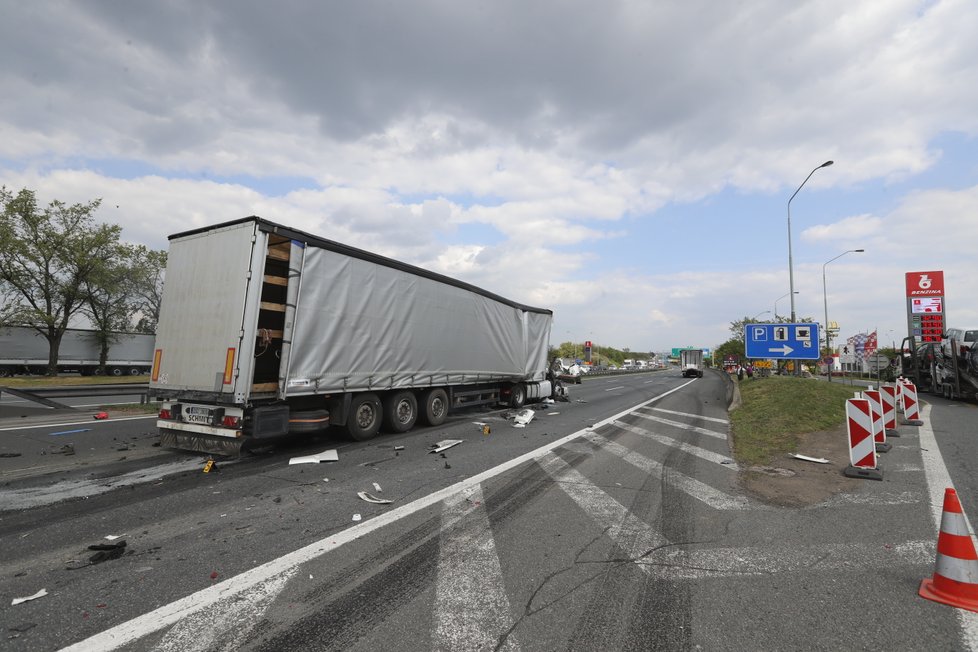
[404, 411]
[365, 416]
[437, 407]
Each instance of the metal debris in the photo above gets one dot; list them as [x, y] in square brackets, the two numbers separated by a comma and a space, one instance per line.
[819, 460]
[445, 444]
[326, 456]
[370, 498]
[39, 594]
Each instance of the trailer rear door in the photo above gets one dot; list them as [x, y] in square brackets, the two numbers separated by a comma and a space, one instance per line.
[205, 340]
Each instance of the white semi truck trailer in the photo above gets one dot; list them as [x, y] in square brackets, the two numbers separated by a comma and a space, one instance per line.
[265, 330]
[23, 350]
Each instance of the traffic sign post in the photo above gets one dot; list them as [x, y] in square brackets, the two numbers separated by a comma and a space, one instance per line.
[782, 341]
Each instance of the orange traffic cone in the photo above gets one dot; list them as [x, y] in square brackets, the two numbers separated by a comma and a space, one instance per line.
[955, 580]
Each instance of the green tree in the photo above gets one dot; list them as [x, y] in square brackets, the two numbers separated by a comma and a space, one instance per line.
[111, 299]
[148, 269]
[48, 258]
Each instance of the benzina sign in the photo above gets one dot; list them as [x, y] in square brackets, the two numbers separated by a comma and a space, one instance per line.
[927, 284]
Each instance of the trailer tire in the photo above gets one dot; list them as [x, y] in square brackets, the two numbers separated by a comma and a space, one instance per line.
[116, 371]
[400, 411]
[435, 404]
[135, 371]
[308, 421]
[517, 395]
[363, 421]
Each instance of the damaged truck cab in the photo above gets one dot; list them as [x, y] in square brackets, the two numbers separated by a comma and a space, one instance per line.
[265, 331]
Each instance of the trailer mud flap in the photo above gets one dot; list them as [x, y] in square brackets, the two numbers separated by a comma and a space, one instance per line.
[201, 443]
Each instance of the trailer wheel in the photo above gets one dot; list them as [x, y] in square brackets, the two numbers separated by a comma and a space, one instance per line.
[435, 402]
[135, 371]
[517, 395]
[363, 422]
[115, 371]
[400, 411]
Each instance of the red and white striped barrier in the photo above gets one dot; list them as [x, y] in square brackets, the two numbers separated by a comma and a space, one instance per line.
[889, 410]
[876, 411]
[911, 408]
[862, 447]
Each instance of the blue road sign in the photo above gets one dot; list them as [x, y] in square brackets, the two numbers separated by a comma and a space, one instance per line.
[782, 341]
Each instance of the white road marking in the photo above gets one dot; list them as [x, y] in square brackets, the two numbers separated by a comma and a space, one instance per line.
[224, 625]
[695, 488]
[471, 606]
[938, 479]
[684, 426]
[611, 389]
[153, 621]
[634, 535]
[687, 414]
[76, 423]
[701, 453]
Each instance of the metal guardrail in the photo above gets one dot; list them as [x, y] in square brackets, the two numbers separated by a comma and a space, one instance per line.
[42, 394]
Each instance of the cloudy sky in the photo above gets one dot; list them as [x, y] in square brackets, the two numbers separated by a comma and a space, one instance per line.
[627, 164]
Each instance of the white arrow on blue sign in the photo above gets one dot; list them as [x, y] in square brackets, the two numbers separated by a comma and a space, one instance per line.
[782, 341]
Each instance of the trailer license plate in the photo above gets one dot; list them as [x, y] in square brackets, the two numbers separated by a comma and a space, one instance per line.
[198, 415]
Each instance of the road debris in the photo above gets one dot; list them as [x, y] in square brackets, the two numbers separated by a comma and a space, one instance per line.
[67, 449]
[398, 448]
[819, 460]
[107, 551]
[39, 594]
[445, 444]
[370, 498]
[326, 456]
[357, 517]
[523, 417]
[113, 537]
[552, 414]
[210, 465]
[101, 416]
[9, 454]
[68, 432]
[377, 488]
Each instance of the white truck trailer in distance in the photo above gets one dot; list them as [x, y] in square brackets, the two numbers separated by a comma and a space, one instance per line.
[691, 362]
[265, 330]
[23, 350]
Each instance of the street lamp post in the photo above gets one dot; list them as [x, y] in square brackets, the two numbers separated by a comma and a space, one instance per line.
[776, 304]
[791, 266]
[759, 314]
[825, 301]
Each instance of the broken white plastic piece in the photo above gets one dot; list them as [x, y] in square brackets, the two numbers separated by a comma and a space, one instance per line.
[524, 417]
[113, 537]
[820, 460]
[445, 444]
[370, 498]
[377, 488]
[357, 517]
[39, 594]
[326, 456]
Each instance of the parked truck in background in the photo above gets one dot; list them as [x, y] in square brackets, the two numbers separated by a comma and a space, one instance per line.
[691, 362]
[23, 350]
[265, 330]
[947, 367]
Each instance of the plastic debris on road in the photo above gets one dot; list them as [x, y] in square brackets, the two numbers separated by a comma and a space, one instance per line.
[819, 460]
[101, 416]
[39, 594]
[357, 517]
[370, 498]
[445, 444]
[377, 488]
[523, 417]
[326, 456]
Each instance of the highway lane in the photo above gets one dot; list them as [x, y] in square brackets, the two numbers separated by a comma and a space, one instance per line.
[614, 524]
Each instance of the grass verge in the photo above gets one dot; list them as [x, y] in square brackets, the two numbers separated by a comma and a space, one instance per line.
[776, 410]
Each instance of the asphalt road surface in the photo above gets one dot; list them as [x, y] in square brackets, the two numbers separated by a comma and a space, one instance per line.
[612, 522]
